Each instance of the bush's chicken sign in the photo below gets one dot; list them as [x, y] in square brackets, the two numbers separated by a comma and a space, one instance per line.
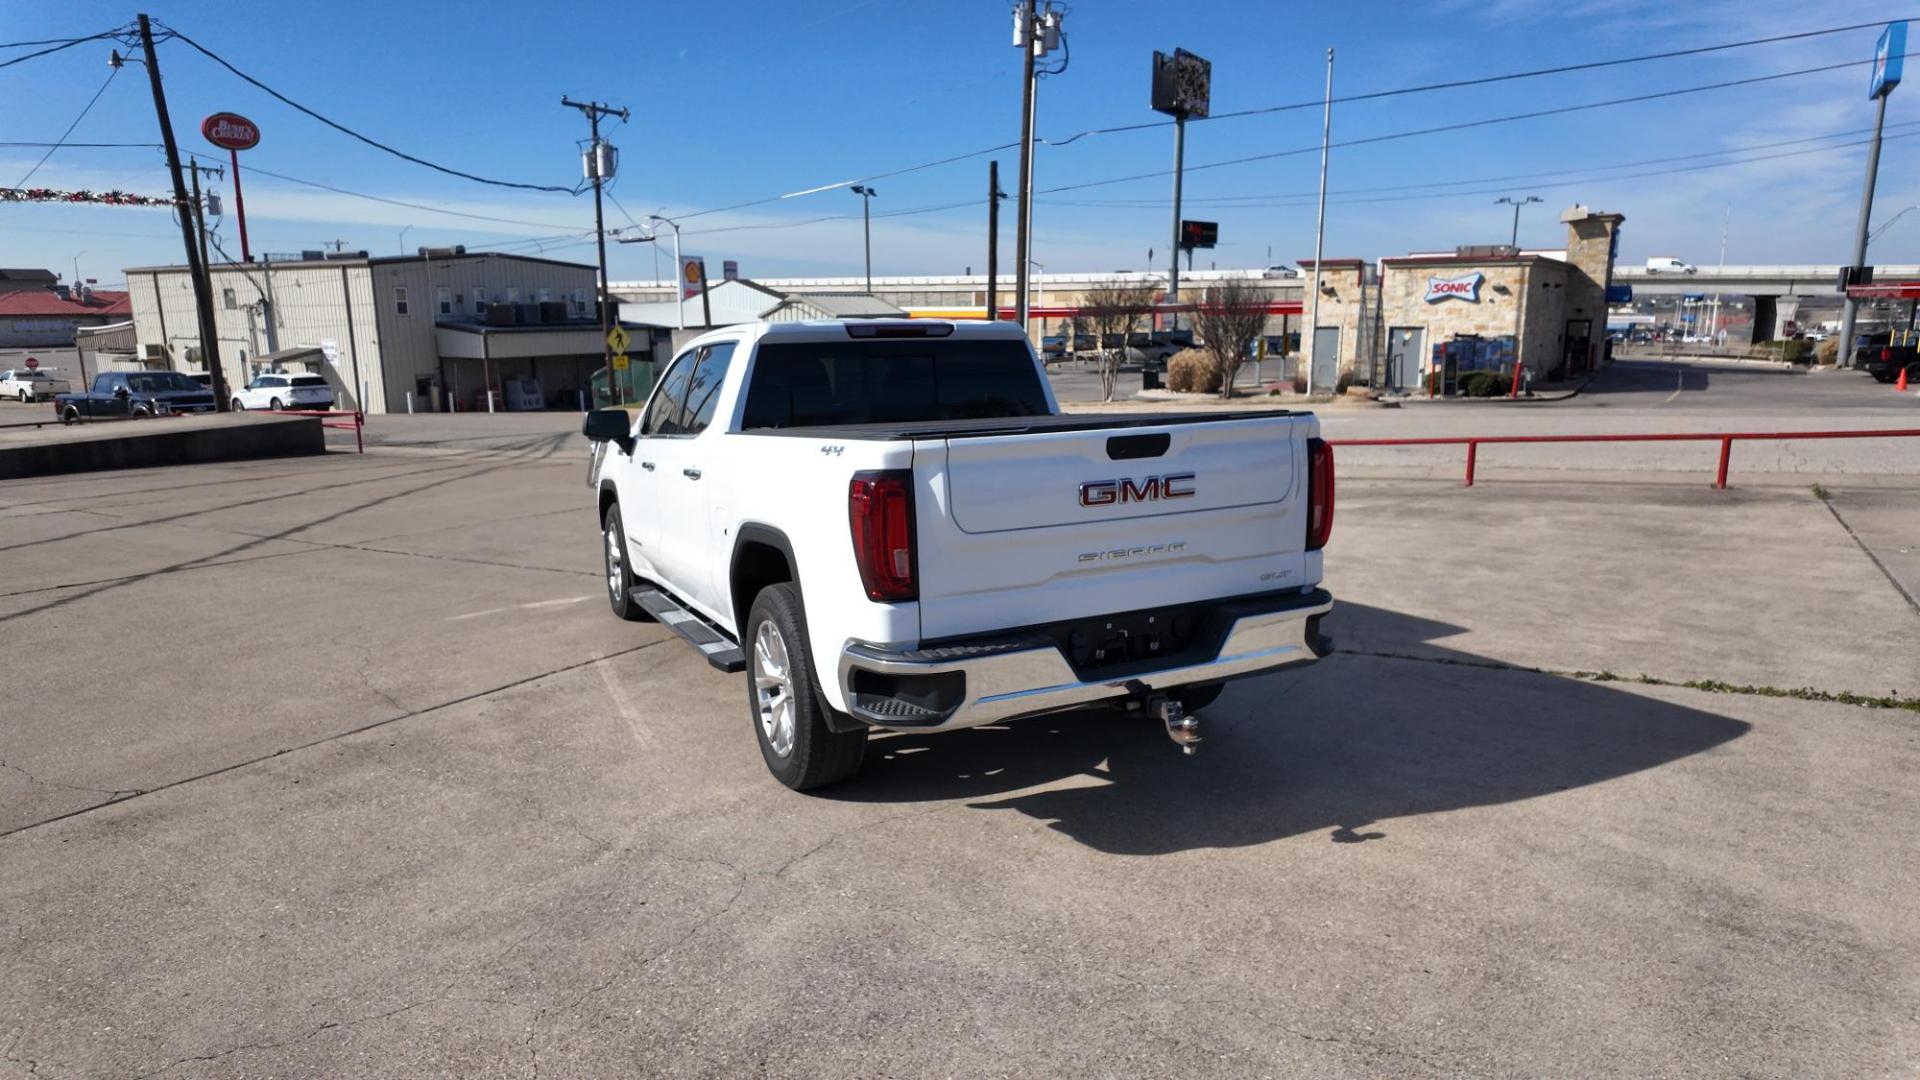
[1465, 287]
[230, 131]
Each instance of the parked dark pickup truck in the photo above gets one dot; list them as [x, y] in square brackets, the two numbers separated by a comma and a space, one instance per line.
[1884, 355]
[135, 393]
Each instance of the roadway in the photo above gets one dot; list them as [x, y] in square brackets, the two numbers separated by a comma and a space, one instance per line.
[340, 766]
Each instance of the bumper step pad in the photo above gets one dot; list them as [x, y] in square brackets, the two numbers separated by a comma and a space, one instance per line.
[715, 646]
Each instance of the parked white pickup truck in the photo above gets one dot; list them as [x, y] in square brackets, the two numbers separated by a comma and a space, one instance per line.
[889, 524]
[25, 385]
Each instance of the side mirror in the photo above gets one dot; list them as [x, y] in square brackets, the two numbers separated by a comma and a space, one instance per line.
[610, 425]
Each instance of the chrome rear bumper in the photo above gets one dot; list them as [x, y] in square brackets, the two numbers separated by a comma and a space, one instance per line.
[1024, 676]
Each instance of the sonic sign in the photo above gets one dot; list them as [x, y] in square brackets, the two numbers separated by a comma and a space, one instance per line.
[1465, 287]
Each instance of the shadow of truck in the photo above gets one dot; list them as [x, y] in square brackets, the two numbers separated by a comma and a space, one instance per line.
[1340, 746]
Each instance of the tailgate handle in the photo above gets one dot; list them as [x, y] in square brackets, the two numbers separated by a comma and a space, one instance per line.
[1128, 447]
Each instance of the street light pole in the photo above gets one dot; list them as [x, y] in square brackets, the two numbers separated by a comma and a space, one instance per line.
[866, 226]
[1850, 311]
[1320, 230]
[1513, 241]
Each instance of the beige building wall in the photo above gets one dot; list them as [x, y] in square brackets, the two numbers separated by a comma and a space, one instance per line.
[1346, 303]
[1590, 254]
[1520, 297]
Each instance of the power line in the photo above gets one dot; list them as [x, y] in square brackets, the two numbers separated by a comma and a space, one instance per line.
[1286, 201]
[345, 130]
[1467, 124]
[1265, 198]
[82, 145]
[1367, 96]
[402, 202]
[63, 135]
[57, 45]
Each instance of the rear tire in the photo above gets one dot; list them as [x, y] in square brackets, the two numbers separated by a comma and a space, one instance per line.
[620, 579]
[70, 416]
[784, 705]
[274, 405]
[237, 406]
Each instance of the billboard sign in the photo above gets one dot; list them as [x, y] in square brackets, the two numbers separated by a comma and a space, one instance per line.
[730, 270]
[693, 276]
[1889, 56]
[1465, 287]
[1199, 234]
[230, 131]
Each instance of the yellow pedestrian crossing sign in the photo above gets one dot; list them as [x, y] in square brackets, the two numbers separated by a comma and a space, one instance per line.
[617, 339]
[619, 361]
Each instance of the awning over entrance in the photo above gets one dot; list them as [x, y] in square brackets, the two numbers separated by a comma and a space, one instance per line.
[467, 341]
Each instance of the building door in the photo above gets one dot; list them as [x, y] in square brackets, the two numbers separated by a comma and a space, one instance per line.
[1326, 358]
[1579, 344]
[1403, 356]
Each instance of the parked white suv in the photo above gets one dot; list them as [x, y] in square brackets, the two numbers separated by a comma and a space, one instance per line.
[284, 391]
[889, 524]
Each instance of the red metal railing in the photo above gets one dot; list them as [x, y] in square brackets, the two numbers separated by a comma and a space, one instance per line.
[1726, 440]
[328, 418]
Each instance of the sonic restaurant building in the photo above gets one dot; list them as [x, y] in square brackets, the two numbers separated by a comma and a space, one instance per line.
[1477, 308]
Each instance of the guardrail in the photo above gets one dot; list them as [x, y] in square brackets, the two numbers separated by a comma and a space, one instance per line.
[329, 418]
[1726, 439]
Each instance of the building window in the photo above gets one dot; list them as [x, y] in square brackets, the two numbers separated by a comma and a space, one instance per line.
[546, 294]
[579, 301]
[399, 299]
[444, 296]
[226, 297]
[513, 295]
[479, 301]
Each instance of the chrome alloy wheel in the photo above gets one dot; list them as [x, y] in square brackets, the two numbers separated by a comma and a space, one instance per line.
[773, 688]
[616, 561]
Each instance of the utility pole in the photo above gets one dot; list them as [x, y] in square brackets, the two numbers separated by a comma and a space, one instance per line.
[1024, 35]
[200, 217]
[866, 194]
[1320, 229]
[600, 164]
[1713, 327]
[196, 268]
[994, 195]
[1513, 239]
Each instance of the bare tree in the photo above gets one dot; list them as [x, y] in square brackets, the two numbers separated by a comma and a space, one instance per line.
[1230, 318]
[1111, 310]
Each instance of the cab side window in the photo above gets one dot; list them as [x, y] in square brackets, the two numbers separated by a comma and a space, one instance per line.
[669, 399]
[703, 394]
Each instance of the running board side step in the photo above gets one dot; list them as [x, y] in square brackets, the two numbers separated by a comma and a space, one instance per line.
[719, 650]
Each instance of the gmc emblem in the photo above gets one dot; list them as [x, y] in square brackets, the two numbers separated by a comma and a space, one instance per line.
[1146, 489]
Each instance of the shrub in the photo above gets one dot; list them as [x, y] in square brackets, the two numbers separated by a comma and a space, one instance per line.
[1485, 384]
[1341, 384]
[1828, 352]
[1192, 371]
[1299, 384]
[1797, 351]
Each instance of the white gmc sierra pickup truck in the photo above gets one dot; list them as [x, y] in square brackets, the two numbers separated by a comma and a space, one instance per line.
[890, 524]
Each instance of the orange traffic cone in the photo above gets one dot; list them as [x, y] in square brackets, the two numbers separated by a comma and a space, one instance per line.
[1901, 385]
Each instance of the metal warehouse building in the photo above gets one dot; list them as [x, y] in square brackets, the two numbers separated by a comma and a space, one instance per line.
[440, 328]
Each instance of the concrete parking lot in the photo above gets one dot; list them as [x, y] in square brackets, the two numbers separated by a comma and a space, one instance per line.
[340, 766]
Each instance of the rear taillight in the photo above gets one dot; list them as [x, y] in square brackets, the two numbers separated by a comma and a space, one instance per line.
[1886, 354]
[880, 509]
[1319, 494]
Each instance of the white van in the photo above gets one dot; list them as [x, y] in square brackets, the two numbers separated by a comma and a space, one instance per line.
[1667, 264]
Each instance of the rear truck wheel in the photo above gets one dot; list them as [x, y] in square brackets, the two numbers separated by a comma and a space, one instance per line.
[236, 406]
[26, 398]
[71, 415]
[274, 405]
[620, 579]
[1199, 695]
[789, 715]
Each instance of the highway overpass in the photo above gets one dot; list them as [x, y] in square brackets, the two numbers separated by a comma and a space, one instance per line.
[1775, 291]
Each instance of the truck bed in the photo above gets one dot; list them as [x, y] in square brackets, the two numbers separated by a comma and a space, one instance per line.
[1013, 425]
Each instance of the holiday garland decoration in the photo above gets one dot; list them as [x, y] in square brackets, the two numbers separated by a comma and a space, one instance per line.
[104, 198]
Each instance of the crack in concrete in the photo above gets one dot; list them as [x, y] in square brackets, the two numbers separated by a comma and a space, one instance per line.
[1827, 502]
[322, 741]
[111, 793]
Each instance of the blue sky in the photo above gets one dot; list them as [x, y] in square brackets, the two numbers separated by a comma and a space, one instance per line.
[741, 101]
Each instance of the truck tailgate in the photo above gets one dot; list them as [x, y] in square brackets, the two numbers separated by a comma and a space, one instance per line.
[1022, 529]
